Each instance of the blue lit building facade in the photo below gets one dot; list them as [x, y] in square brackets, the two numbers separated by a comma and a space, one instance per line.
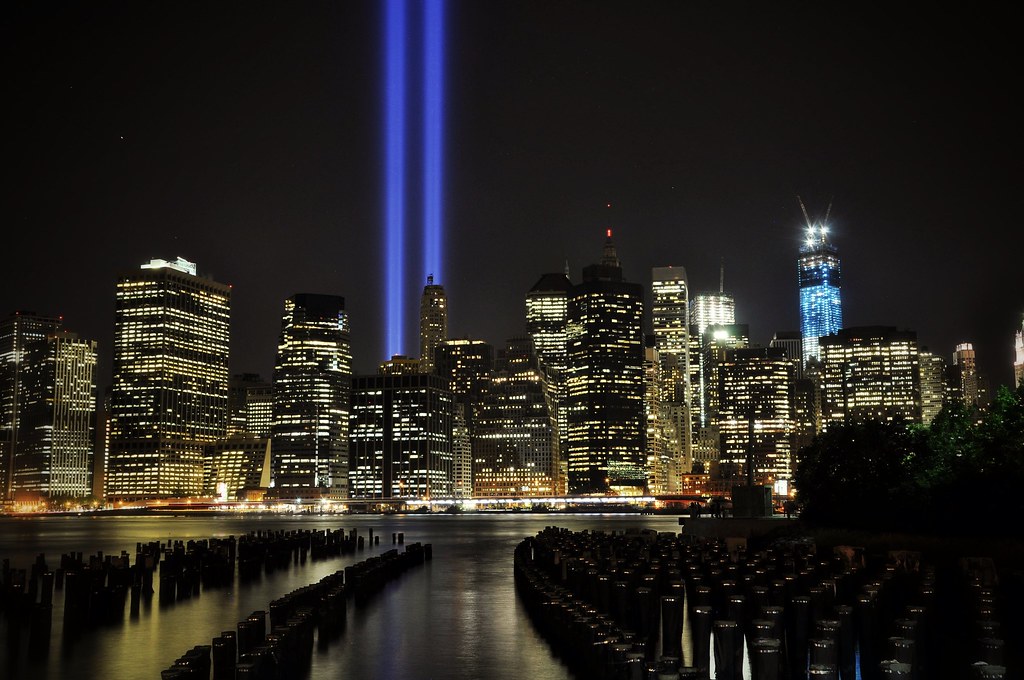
[820, 281]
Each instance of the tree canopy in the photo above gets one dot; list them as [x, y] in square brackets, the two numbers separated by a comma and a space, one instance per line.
[936, 478]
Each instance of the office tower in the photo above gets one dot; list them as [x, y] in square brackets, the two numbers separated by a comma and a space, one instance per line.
[1018, 361]
[433, 323]
[870, 373]
[399, 364]
[605, 386]
[240, 388]
[259, 409]
[671, 325]
[718, 340]
[401, 437]
[462, 453]
[170, 379]
[655, 437]
[515, 436]
[547, 318]
[755, 415]
[54, 452]
[706, 309]
[467, 365]
[238, 468]
[966, 371]
[17, 331]
[933, 384]
[820, 282]
[101, 446]
[311, 399]
[791, 342]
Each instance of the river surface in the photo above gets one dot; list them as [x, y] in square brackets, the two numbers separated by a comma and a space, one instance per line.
[455, 618]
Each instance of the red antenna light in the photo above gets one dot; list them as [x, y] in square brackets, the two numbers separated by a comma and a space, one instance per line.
[609, 233]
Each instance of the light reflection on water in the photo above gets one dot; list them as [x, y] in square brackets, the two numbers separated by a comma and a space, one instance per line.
[457, 617]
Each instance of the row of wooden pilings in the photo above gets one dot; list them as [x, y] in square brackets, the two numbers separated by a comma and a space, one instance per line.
[97, 587]
[614, 607]
[316, 612]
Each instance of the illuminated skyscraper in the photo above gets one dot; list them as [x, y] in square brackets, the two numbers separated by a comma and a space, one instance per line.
[605, 386]
[718, 341]
[401, 436]
[467, 364]
[433, 323]
[870, 373]
[820, 281]
[170, 388]
[966, 369]
[547, 318]
[56, 432]
[933, 384]
[706, 309]
[1018, 362]
[671, 324]
[242, 387]
[755, 414]
[515, 436]
[17, 332]
[311, 399]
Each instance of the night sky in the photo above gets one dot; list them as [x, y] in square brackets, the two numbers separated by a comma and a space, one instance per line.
[247, 137]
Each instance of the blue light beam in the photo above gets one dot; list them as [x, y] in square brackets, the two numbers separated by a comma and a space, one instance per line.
[395, 28]
[433, 136]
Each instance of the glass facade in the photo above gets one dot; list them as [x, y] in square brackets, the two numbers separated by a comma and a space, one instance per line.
[311, 399]
[17, 332]
[870, 373]
[401, 437]
[57, 430]
[605, 386]
[820, 281]
[671, 323]
[755, 417]
[547, 318]
[170, 380]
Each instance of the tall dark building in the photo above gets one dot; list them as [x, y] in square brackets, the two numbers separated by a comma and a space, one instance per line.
[312, 378]
[170, 390]
[401, 436]
[17, 332]
[515, 438]
[58, 413]
[240, 387]
[605, 386]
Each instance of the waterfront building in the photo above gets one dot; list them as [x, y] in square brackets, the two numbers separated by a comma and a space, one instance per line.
[17, 332]
[54, 452]
[311, 399]
[462, 453]
[820, 281]
[870, 373]
[515, 435]
[170, 379]
[671, 325]
[755, 414]
[238, 468]
[401, 436]
[605, 385]
[547, 319]
[791, 342]
[659, 469]
[933, 384]
[433, 323]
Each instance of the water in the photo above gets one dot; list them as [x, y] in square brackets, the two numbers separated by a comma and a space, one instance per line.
[457, 617]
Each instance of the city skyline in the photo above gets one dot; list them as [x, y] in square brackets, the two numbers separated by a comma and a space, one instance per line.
[253, 148]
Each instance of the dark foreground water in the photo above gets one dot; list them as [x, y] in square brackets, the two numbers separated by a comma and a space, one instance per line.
[455, 618]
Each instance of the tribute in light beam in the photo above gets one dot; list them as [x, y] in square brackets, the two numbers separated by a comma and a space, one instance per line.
[433, 136]
[395, 170]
